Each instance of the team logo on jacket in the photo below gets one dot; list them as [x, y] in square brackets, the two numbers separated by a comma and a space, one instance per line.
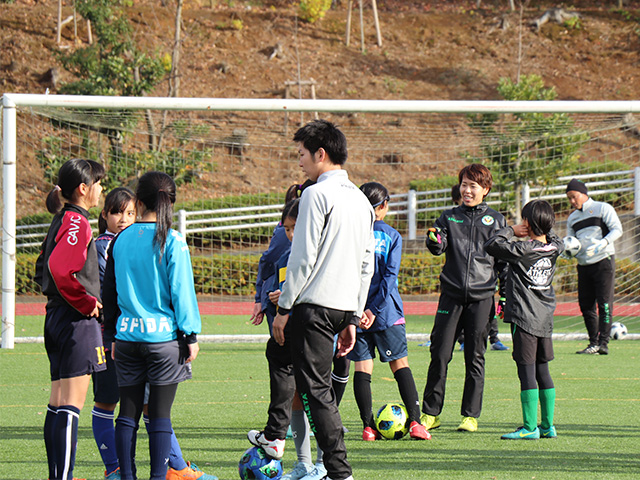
[540, 272]
[487, 220]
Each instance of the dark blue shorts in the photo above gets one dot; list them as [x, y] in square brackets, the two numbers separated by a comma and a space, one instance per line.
[73, 343]
[391, 344]
[153, 363]
[529, 349]
[105, 383]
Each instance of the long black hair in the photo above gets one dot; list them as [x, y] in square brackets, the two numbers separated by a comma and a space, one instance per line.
[115, 202]
[71, 175]
[376, 193]
[157, 192]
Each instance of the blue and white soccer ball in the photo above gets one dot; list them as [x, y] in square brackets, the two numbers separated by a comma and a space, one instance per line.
[391, 421]
[255, 464]
[571, 246]
[618, 331]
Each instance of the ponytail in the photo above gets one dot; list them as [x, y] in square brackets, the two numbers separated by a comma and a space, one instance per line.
[157, 192]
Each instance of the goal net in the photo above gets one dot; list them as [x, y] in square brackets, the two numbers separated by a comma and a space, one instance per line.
[233, 163]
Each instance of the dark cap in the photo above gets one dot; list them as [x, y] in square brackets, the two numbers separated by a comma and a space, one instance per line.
[577, 186]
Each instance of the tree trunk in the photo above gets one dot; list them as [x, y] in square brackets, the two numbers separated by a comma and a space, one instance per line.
[174, 80]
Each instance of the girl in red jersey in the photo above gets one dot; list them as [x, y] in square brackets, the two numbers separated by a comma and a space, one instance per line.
[67, 270]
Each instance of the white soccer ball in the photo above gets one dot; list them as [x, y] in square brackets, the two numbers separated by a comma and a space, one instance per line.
[571, 245]
[618, 331]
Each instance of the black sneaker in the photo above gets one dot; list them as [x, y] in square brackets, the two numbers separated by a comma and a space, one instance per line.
[590, 350]
[603, 350]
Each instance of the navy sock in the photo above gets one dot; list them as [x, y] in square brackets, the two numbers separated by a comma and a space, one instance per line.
[175, 455]
[159, 446]
[126, 434]
[104, 434]
[362, 392]
[65, 437]
[408, 392]
[49, 443]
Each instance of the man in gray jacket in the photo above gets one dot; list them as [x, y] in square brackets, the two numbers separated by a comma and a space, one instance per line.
[326, 284]
[597, 226]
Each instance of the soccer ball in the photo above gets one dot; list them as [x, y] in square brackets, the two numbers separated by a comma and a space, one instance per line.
[618, 331]
[571, 246]
[255, 464]
[391, 421]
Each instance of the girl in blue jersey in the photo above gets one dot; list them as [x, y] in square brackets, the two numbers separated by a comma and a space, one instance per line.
[150, 303]
[118, 213]
[278, 244]
[67, 271]
[383, 325]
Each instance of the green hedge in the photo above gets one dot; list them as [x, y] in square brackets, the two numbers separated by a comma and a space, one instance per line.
[234, 275]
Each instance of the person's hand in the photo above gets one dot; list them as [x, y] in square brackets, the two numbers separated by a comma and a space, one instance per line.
[95, 313]
[257, 315]
[194, 348]
[278, 328]
[367, 319]
[346, 341]
[433, 235]
[502, 303]
[275, 296]
[597, 247]
[520, 230]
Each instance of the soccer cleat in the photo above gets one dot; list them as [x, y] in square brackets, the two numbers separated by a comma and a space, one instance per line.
[548, 432]
[603, 350]
[430, 422]
[300, 470]
[590, 350]
[318, 473]
[499, 346]
[190, 472]
[273, 448]
[370, 434]
[115, 475]
[418, 432]
[522, 434]
[468, 424]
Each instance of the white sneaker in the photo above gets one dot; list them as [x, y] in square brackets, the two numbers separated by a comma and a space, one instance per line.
[273, 448]
[318, 473]
[300, 470]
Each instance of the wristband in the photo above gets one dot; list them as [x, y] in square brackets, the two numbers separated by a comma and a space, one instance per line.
[283, 311]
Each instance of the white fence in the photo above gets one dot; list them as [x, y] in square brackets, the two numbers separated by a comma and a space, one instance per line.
[410, 204]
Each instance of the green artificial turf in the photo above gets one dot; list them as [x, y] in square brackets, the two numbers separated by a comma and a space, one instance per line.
[597, 411]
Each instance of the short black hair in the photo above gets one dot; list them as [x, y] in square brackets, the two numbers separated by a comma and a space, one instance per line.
[539, 214]
[323, 134]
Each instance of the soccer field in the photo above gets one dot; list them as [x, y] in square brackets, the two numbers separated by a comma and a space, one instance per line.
[597, 411]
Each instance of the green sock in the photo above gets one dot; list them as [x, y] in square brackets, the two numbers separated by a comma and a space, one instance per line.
[547, 404]
[529, 400]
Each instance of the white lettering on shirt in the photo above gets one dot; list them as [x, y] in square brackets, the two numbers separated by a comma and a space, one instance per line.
[72, 237]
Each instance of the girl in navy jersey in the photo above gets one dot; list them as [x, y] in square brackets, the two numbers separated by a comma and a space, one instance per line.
[67, 271]
[118, 213]
[382, 326]
[150, 303]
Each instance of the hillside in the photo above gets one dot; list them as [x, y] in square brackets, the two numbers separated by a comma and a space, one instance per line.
[431, 50]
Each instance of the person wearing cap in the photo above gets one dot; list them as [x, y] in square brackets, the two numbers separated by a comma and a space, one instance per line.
[597, 226]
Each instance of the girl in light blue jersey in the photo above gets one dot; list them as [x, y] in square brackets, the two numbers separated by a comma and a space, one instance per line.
[152, 317]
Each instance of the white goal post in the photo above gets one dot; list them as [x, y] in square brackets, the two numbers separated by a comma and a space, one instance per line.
[12, 102]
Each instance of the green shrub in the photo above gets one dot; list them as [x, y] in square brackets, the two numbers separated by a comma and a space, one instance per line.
[235, 275]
